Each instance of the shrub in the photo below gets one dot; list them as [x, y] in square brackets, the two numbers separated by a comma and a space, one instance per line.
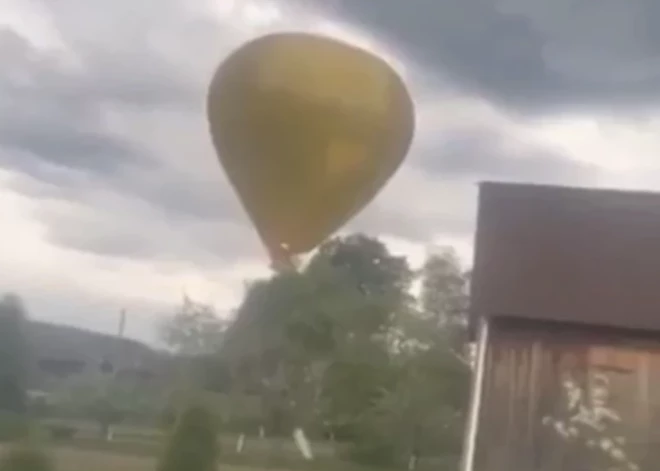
[61, 432]
[193, 444]
[12, 426]
[25, 458]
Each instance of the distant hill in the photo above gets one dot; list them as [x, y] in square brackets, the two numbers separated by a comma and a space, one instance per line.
[58, 351]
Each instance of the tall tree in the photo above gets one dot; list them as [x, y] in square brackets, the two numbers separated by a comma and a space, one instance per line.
[420, 412]
[372, 288]
[194, 443]
[13, 354]
[194, 329]
[444, 296]
[299, 336]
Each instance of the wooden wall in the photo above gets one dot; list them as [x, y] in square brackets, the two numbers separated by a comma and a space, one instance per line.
[560, 397]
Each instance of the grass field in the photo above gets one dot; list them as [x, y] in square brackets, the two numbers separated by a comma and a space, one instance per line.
[137, 449]
[73, 459]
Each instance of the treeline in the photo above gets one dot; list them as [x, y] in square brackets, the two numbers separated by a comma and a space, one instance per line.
[355, 347]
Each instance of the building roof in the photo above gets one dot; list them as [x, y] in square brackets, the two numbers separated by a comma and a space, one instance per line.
[568, 254]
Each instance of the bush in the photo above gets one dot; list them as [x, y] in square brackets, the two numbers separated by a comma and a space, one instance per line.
[372, 452]
[12, 426]
[25, 458]
[194, 444]
[61, 432]
[374, 444]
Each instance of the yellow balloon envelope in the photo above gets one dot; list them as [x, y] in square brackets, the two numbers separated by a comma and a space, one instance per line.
[308, 130]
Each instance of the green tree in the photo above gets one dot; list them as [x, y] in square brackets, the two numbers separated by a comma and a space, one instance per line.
[194, 329]
[107, 400]
[373, 287]
[304, 338]
[276, 345]
[420, 412]
[343, 345]
[194, 444]
[444, 297]
[13, 355]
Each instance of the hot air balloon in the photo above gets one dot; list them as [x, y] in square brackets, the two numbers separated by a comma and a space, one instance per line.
[308, 130]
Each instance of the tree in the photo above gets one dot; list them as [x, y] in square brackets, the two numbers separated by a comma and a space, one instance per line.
[274, 345]
[300, 339]
[13, 354]
[194, 329]
[342, 345]
[420, 412]
[194, 444]
[444, 296]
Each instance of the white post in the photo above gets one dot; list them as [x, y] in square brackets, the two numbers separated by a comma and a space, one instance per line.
[302, 443]
[240, 443]
[475, 401]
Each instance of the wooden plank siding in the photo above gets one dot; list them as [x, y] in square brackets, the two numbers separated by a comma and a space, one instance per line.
[527, 420]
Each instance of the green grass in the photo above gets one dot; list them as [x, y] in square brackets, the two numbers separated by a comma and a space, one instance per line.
[137, 448]
[115, 456]
[73, 459]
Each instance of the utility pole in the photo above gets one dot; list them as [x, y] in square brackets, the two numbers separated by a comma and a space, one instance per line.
[117, 360]
[122, 323]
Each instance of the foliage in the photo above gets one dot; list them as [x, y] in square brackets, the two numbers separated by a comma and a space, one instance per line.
[193, 445]
[343, 349]
[106, 412]
[12, 426]
[444, 296]
[106, 400]
[61, 432]
[194, 329]
[296, 335]
[25, 457]
[13, 354]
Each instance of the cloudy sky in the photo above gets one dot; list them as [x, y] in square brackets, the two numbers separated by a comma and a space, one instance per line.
[110, 193]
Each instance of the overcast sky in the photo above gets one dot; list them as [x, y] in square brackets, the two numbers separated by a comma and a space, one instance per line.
[110, 193]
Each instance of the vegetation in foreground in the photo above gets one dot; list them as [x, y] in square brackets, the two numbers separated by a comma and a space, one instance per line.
[194, 442]
[340, 351]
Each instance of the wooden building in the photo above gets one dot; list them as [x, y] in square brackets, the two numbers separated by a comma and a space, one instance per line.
[566, 303]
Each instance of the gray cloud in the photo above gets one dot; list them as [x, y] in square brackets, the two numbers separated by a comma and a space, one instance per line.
[533, 55]
[54, 132]
[43, 120]
[111, 143]
[141, 234]
[136, 201]
[442, 198]
[478, 153]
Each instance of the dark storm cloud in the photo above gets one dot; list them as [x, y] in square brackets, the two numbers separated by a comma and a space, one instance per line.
[53, 136]
[44, 120]
[534, 55]
[147, 53]
[51, 122]
[87, 150]
[154, 56]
